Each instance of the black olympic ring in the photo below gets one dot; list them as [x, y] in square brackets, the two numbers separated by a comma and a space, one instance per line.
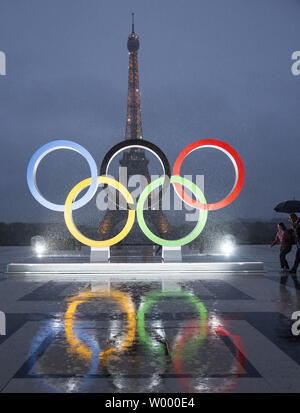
[137, 143]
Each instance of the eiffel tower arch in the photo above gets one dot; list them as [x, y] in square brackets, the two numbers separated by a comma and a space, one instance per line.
[135, 160]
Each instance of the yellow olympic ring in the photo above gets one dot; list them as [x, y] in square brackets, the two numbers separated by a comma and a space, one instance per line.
[69, 219]
[126, 305]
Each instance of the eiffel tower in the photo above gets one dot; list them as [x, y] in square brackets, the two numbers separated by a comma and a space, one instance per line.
[134, 160]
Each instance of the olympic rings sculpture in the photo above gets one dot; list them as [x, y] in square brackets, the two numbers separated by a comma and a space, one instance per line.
[94, 181]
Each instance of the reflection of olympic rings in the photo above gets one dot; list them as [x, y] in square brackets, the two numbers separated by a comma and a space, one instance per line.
[41, 153]
[44, 337]
[139, 143]
[126, 305]
[190, 333]
[240, 358]
[171, 243]
[153, 298]
[232, 155]
[77, 234]
[94, 181]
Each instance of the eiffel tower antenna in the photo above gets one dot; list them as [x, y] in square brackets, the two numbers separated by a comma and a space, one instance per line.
[132, 16]
[134, 117]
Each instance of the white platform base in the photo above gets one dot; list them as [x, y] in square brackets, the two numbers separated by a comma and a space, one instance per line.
[100, 254]
[171, 254]
[134, 270]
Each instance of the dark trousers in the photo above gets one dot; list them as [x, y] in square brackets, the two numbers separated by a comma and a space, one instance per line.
[283, 252]
[297, 259]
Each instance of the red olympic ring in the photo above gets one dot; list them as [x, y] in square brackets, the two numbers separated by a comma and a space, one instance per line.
[235, 159]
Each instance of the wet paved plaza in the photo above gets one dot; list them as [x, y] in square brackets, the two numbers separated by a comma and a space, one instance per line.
[227, 332]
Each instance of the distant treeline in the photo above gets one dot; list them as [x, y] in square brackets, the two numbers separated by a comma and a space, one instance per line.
[57, 235]
[245, 232]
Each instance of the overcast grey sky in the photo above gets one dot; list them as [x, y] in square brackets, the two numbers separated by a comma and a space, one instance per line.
[208, 69]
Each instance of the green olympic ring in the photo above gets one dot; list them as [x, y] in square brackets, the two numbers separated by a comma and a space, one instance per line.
[154, 297]
[202, 218]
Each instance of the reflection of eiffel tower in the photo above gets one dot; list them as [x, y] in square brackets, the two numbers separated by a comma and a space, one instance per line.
[133, 159]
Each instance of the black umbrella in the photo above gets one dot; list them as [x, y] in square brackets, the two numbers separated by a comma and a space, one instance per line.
[288, 207]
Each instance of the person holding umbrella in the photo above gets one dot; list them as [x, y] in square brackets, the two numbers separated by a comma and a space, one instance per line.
[283, 237]
[296, 227]
[291, 207]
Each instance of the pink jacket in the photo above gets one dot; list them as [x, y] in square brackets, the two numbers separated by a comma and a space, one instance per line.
[284, 238]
